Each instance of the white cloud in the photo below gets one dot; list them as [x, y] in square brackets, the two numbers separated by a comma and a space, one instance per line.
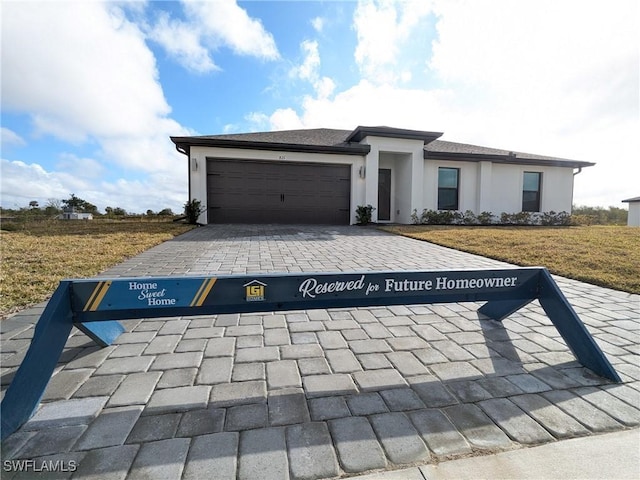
[286, 119]
[258, 121]
[553, 78]
[568, 55]
[556, 78]
[182, 42]
[386, 31]
[210, 26]
[224, 22]
[79, 79]
[89, 82]
[11, 138]
[161, 191]
[22, 183]
[318, 24]
[80, 167]
[369, 104]
[309, 69]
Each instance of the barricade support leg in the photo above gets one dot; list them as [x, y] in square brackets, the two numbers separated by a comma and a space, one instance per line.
[103, 333]
[501, 309]
[572, 330]
[50, 336]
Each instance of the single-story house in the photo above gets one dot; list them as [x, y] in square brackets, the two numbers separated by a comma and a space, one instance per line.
[633, 220]
[322, 175]
[71, 214]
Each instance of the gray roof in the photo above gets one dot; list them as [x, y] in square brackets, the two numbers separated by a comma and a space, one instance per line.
[315, 140]
[632, 200]
[444, 149]
[313, 136]
[327, 140]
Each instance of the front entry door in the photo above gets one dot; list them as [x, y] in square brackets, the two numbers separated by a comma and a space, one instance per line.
[384, 194]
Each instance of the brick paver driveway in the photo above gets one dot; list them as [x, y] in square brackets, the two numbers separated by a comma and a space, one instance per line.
[320, 393]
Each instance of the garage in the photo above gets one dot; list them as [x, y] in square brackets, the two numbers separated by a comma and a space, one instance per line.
[247, 191]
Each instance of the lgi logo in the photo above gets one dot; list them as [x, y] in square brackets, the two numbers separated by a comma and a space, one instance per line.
[254, 291]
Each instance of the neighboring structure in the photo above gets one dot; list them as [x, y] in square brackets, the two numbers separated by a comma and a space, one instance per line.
[322, 175]
[71, 214]
[633, 220]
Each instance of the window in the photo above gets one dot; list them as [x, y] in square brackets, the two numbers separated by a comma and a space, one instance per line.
[448, 183]
[531, 191]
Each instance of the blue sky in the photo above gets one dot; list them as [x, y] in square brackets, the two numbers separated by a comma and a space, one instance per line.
[91, 91]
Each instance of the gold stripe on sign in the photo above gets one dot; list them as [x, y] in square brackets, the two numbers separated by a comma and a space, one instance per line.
[103, 291]
[197, 295]
[92, 296]
[206, 291]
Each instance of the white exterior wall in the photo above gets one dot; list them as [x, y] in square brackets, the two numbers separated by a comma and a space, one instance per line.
[507, 183]
[506, 188]
[497, 187]
[557, 189]
[199, 155]
[633, 220]
[484, 186]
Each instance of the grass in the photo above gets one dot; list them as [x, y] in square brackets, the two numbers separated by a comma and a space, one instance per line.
[36, 256]
[608, 256]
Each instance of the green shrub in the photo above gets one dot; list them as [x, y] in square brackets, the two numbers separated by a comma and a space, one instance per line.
[192, 211]
[469, 218]
[486, 218]
[453, 217]
[520, 218]
[9, 226]
[364, 214]
[415, 219]
[440, 217]
[552, 218]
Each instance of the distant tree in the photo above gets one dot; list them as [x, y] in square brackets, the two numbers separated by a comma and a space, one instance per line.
[165, 212]
[150, 213]
[80, 205]
[34, 204]
[51, 210]
[53, 206]
[600, 215]
[119, 212]
[73, 202]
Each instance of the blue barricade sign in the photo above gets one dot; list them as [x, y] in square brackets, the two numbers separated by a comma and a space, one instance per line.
[95, 305]
[117, 298]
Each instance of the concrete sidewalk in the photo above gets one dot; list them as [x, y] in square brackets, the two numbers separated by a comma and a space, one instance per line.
[322, 393]
[609, 456]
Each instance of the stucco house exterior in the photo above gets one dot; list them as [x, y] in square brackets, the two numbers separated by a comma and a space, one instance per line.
[71, 214]
[322, 176]
[633, 220]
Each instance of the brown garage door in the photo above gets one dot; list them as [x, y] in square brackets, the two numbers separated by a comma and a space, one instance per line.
[242, 191]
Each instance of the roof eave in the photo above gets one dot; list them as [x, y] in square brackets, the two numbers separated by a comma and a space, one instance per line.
[508, 159]
[354, 149]
[361, 132]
